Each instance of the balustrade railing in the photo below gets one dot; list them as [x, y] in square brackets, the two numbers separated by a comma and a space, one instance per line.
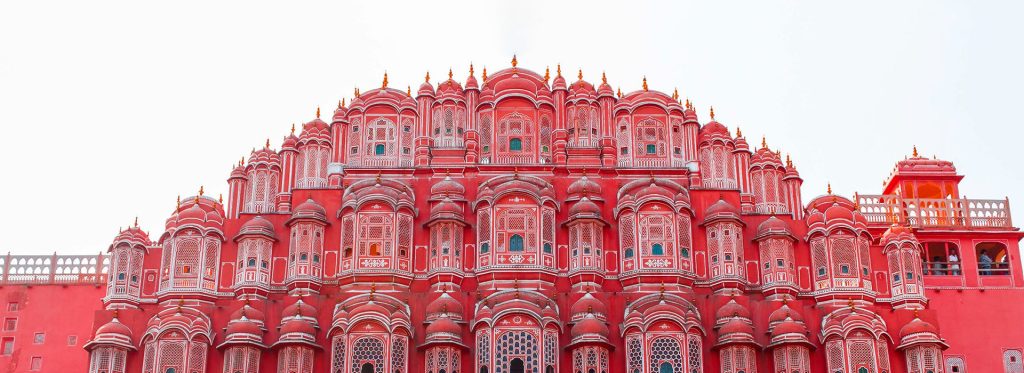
[935, 212]
[53, 269]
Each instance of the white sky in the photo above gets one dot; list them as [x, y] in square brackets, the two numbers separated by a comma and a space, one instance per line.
[111, 110]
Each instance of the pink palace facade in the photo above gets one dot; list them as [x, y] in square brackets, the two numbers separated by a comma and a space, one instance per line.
[524, 223]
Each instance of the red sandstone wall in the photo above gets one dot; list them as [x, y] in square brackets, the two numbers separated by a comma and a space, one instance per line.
[60, 312]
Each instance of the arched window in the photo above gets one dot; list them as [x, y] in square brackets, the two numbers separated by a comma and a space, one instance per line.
[366, 368]
[656, 249]
[862, 370]
[169, 370]
[547, 248]
[483, 369]
[629, 253]
[378, 149]
[515, 243]
[484, 248]
[515, 144]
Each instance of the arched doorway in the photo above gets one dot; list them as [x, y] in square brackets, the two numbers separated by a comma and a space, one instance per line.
[516, 366]
[366, 368]
[665, 367]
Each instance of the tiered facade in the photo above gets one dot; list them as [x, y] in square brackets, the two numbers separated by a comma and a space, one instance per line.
[521, 223]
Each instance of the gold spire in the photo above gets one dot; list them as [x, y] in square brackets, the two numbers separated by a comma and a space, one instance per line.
[915, 151]
[559, 70]
[377, 179]
[267, 145]
[712, 113]
[688, 104]
[408, 90]
[604, 79]
[384, 84]
[619, 93]
[318, 111]
[179, 201]
[136, 222]
[200, 190]
[829, 190]
[339, 104]
[645, 83]
[427, 79]
[470, 69]
[789, 162]
[343, 102]
[220, 198]
[514, 61]
[738, 132]
[675, 93]
[580, 74]
[485, 73]
[547, 74]
[764, 143]
[293, 124]
[449, 73]
[357, 91]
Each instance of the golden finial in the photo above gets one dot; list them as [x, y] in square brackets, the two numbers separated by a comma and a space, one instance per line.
[408, 90]
[915, 151]
[339, 104]
[547, 74]
[675, 93]
[580, 74]
[485, 73]
[829, 190]
[645, 84]
[318, 111]
[712, 113]
[343, 102]
[514, 61]
[200, 190]
[220, 198]
[789, 162]
[470, 69]
[559, 69]
[378, 178]
[688, 105]
[619, 92]
[449, 73]
[764, 144]
[427, 79]
[738, 132]
[604, 78]
[136, 222]
[241, 161]
[197, 200]
[267, 145]
[179, 201]
[115, 313]
[384, 84]
[293, 124]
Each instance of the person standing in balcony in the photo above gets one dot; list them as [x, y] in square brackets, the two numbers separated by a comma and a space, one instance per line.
[985, 263]
[954, 263]
[938, 266]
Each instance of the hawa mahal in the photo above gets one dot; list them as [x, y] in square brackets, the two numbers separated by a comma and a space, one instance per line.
[524, 223]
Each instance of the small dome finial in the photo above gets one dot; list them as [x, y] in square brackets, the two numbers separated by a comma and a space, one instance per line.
[470, 69]
[738, 132]
[604, 78]
[580, 75]
[559, 69]
[645, 83]
[427, 78]
[712, 113]
[220, 198]
[293, 124]
[318, 111]
[484, 74]
[915, 151]
[688, 104]
[343, 102]
[179, 201]
[384, 84]
[200, 190]
[547, 74]
[789, 162]
[829, 190]
[449, 73]
[267, 144]
[515, 62]
[675, 93]
[619, 92]
[764, 143]
[136, 222]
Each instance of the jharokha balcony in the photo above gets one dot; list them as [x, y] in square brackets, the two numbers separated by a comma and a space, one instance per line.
[886, 209]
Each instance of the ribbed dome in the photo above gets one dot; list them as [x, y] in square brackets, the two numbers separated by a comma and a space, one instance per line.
[133, 235]
[257, 226]
[837, 212]
[714, 129]
[115, 327]
[584, 207]
[732, 309]
[773, 226]
[736, 326]
[310, 210]
[444, 304]
[783, 313]
[299, 308]
[721, 207]
[243, 326]
[590, 325]
[588, 304]
[788, 326]
[584, 186]
[447, 187]
[298, 326]
[443, 325]
[250, 313]
[917, 326]
[446, 209]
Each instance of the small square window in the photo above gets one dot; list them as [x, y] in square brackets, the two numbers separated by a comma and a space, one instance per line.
[7, 346]
[36, 364]
[10, 324]
[72, 340]
[624, 150]
[844, 269]
[781, 263]
[354, 150]
[12, 307]
[39, 338]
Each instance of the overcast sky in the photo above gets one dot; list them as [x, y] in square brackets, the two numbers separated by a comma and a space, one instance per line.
[110, 110]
